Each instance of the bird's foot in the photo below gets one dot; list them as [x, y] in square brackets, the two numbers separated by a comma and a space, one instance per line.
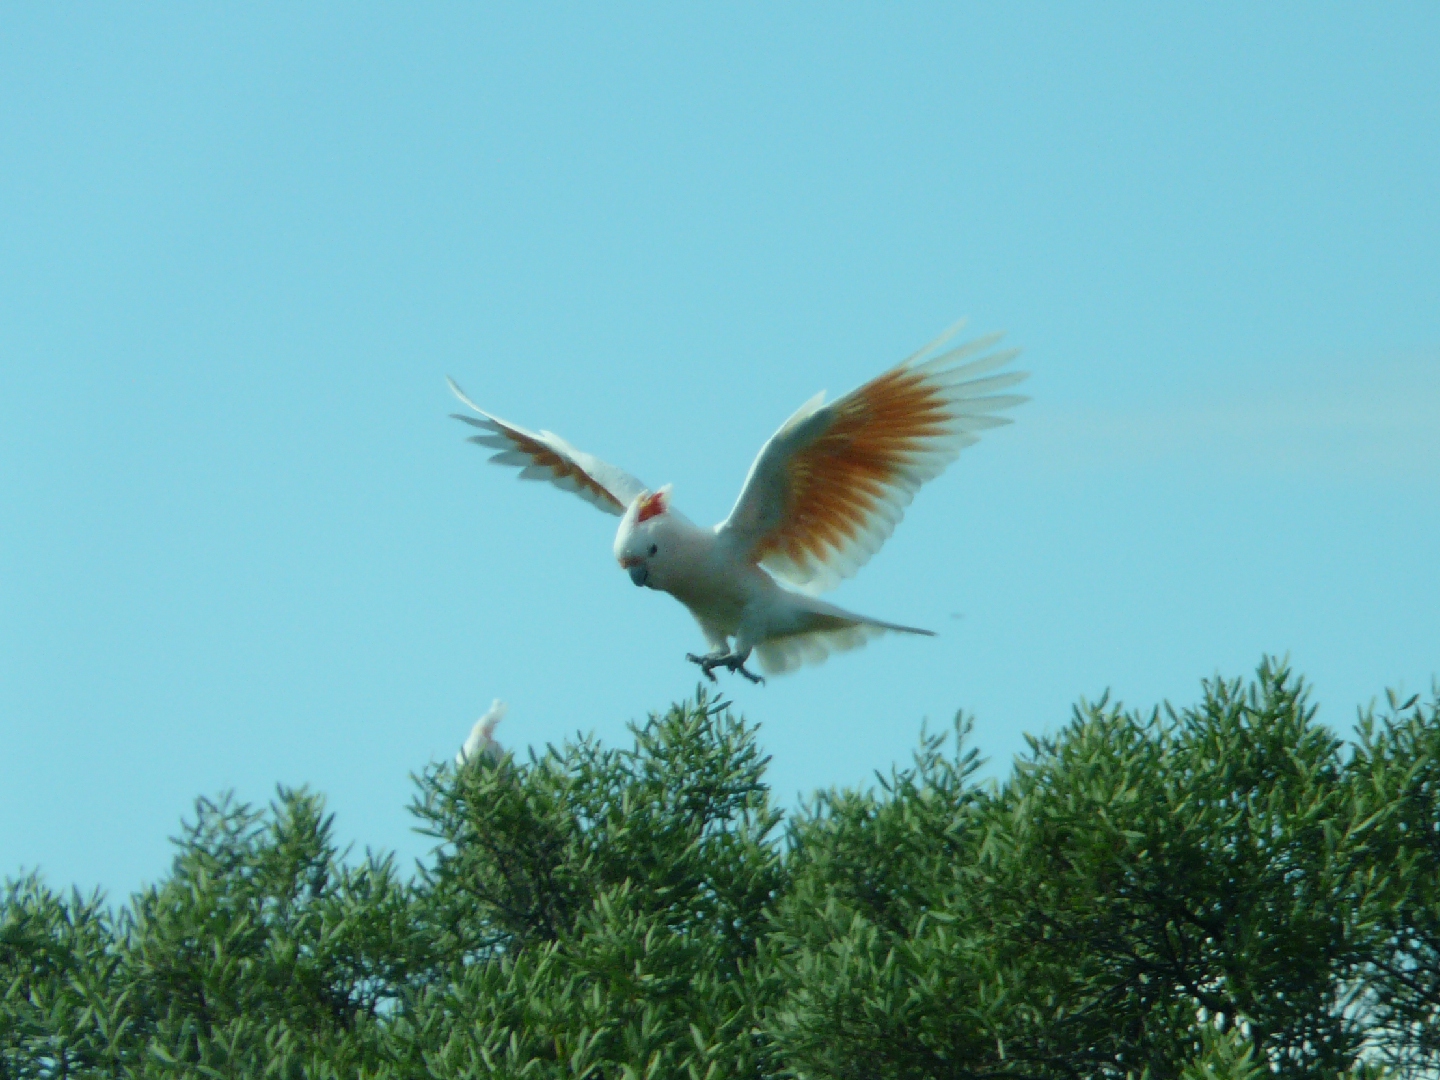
[730, 661]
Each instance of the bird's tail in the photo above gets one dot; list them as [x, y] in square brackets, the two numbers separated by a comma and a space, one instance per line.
[819, 630]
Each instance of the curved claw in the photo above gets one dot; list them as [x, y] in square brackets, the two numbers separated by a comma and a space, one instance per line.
[739, 665]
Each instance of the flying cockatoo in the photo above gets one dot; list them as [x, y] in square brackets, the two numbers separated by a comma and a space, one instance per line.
[482, 736]
[825, 492]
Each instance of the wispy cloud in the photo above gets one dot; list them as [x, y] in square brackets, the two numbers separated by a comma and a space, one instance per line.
[1353, 421]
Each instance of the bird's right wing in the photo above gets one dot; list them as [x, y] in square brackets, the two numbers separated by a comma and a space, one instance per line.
[829, 487]
[543, 455]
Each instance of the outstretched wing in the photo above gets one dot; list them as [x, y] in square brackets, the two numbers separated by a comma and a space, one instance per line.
[544, 455]
[830, 486]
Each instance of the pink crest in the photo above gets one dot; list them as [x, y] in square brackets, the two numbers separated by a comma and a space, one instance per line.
[653, 505]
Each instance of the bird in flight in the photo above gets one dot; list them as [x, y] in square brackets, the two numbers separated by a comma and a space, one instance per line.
[824, 493]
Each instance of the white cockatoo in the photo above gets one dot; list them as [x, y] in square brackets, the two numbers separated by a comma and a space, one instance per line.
[824, 494]
[482, 736]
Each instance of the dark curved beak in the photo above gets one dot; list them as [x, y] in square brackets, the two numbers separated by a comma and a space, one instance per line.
[639, 573]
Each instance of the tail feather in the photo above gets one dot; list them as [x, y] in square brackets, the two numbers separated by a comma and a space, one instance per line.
[817, 629]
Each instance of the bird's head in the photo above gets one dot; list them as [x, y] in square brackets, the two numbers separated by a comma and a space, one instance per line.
[644, 539]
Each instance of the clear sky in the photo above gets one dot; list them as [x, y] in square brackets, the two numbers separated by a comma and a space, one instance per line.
[241, 246]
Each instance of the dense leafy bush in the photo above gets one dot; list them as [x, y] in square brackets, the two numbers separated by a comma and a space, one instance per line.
[1223, 891]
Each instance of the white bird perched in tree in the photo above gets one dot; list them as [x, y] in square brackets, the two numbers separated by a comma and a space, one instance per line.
[824, 494]
[482, 736]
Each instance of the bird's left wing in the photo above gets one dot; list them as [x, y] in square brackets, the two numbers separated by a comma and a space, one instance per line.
[543, 455]
[830, 486]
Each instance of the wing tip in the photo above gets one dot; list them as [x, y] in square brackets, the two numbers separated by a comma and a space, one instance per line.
[464, 397]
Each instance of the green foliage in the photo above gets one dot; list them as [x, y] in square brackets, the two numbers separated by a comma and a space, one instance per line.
[877, 945]
[59, 1015]
[1192, 865]
[1222, 891]
[599, 910]
[261, 949]
[1396, 782]
[1224, 1055]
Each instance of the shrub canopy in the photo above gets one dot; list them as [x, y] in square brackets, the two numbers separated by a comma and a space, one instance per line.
[1227, 890]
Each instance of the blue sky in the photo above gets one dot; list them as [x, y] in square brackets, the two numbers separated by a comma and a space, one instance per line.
[240, 248]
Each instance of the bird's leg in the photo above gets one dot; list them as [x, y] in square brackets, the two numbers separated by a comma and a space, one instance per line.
[731, 661]
[737, 663]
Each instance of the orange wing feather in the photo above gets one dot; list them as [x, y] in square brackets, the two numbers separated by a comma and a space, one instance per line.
[544, 455]
[837, 483]
[829, 487]
[561, 469]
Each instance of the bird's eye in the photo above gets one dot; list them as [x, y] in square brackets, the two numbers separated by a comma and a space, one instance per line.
[654, 548]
